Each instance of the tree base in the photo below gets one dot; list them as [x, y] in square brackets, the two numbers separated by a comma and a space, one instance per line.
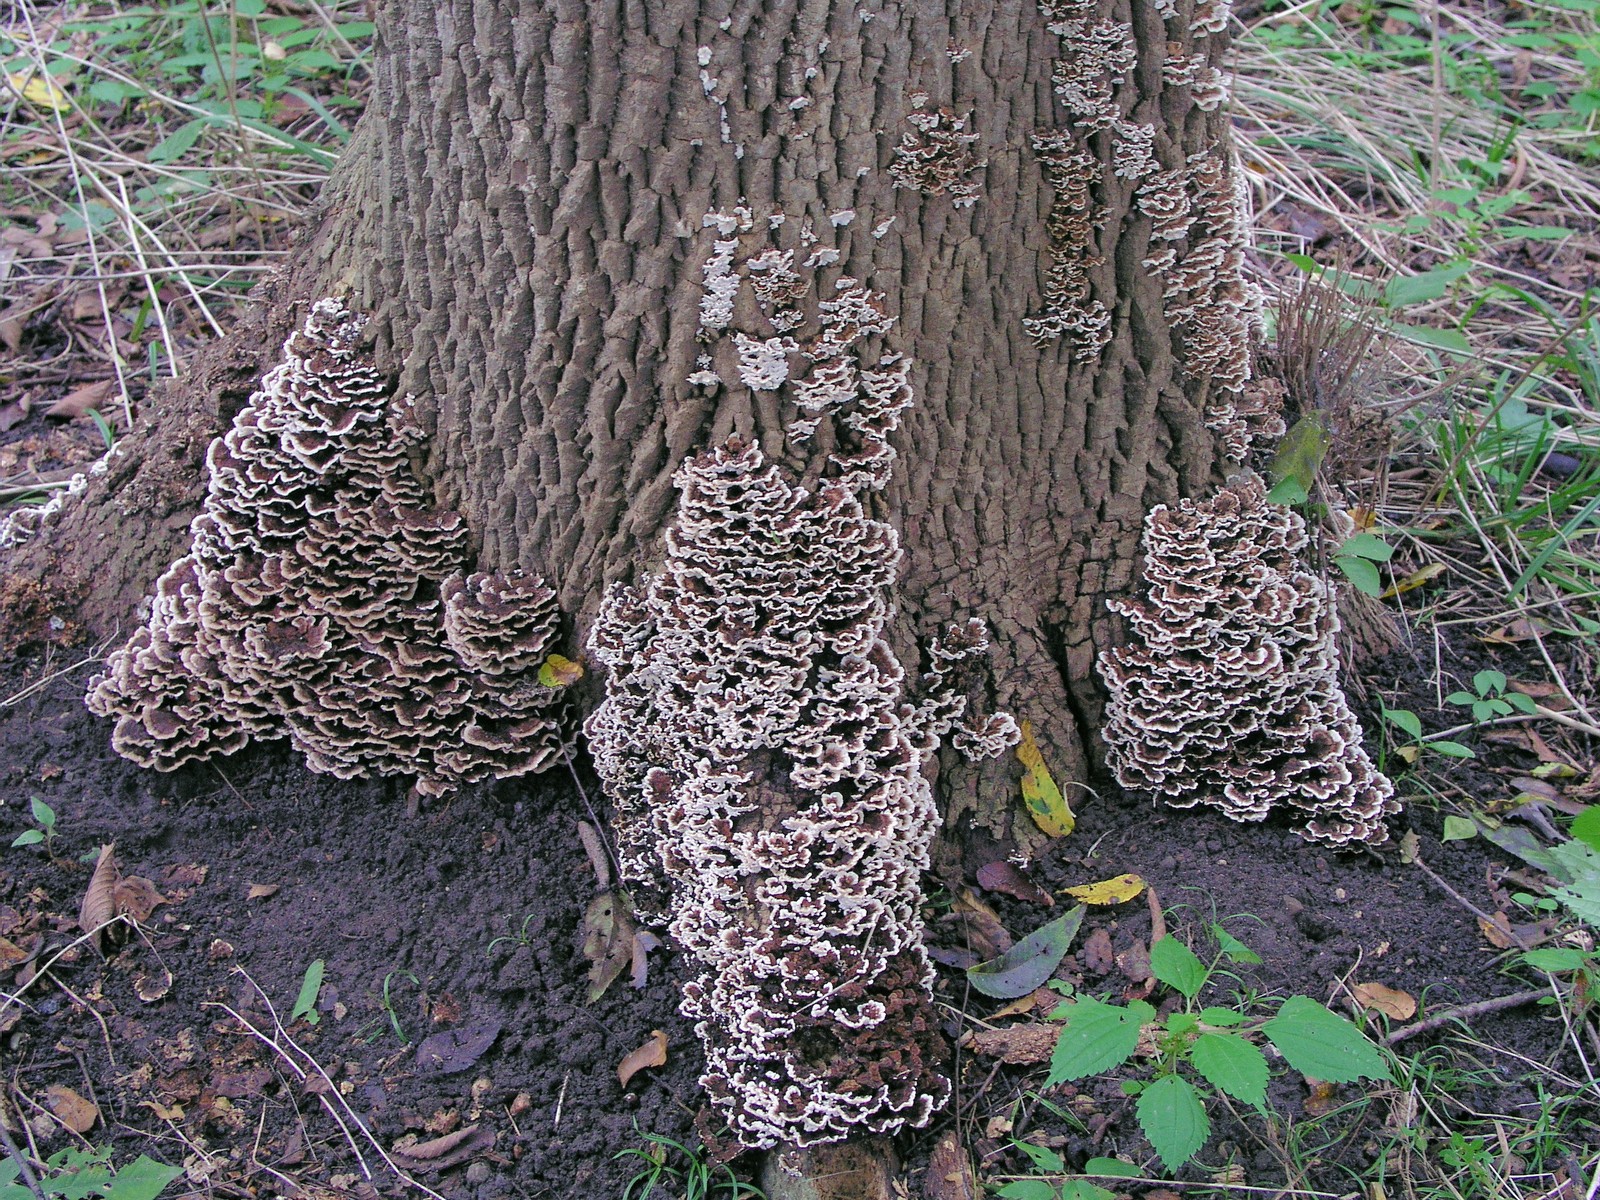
[854, 1170]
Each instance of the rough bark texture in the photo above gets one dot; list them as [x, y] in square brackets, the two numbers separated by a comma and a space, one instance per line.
[522, 212]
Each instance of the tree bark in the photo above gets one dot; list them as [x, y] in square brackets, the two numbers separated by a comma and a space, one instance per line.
[521, 210]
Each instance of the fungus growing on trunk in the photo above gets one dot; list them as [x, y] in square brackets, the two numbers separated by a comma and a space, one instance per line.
[1230, 694]
[765, 756]
[324, 600]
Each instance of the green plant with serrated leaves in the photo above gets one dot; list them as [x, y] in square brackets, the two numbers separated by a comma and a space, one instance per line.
[74, 1174]
[1202, 1050]
[1489, 698]
[44, 830]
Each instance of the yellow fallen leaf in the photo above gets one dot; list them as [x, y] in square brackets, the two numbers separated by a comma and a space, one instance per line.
[1108, 891]
[1414, 580]
[1391, 1002]
[559, 672]
[39, 89]
[1046, 805]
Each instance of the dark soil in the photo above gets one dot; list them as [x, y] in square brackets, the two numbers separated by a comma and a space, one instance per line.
[415, 905]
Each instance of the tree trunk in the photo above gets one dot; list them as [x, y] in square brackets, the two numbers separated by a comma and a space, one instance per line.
[522, 209]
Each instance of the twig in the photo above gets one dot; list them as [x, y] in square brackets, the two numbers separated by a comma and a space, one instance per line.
[328, 1089]
[1464, 1012]
[1503, 926]
[599, 827]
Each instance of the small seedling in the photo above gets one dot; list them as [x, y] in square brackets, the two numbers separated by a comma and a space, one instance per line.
[45, 831]
[1211, 1043]
[388, 1003]
[1410, 723]
[305, 1004]
[676, 1169]
[1489, 698]
[1358, 557]
[520, 938]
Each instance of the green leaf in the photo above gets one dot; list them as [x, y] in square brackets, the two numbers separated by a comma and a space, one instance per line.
[1098, 1037]
[42, 812]
[1409, 721]
[1363, 576]
[142, 1179]
[177, 143]
[1586, 827]
[1523, 704]
[1460, 698]
[1111, 1168]
[1301, 451]
[1230, 1064]
[1459, 829]
[29, 837]
[1175, 965]
[1555, 961]
[1027, 1189]
[1404, 290]
[1172, 1117]
[1042, 1157]
[1451, 749]
[1182, 1022]
[1288, 492]
[1030, 962]
[1078, 1189]
[1489, 681]
[1323, 1044]
[1368, 546]
[1221, 1016]
[1451, 340]
[1231, 946]
[305, 1004]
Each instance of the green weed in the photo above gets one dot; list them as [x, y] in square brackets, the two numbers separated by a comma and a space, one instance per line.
[681, 1172]
[74, 1174]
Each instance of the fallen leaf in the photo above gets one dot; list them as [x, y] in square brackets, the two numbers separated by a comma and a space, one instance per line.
[76, 1113]
[446, 1010]
[1497, 931]
[1134, 962]
[38, 88]
[559, 672]
[454, 1050]
[1030, 962]
[1038, 998]
[607, 942]
[13, 414]
[949, 1174]
[1098, 956]
[596, 850]
[1521, 630]
[643, 942]
[185, 874]
[1012, 880]
[652, 1054]
[1555, 769]
[1115, 890]
[1026, 1044]
[1410, 844]
[99, 905]
[1414, 580]
[1391, 1002]
[167, 1112]
[11, 954]
[261, 891]
[444, 1152]
[984, 930]
[80, 400]
[136, 897]
[1322, 1098]
[1046, 805]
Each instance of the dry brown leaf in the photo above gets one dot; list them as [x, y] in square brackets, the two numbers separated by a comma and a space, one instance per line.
[1158, 918]
[11, 954]
[1497, 932]
[1322, 1098]
[987, 936]
[1391, 1002]
[136, 896]
[1031, 1043]
[596, 850]
[167, 1112]
[643, 942]
[76, 1113]
[1098, 956]
[186, 874]
[152, 985]
[607, 942]
[1038, 998]
[1011, 879]
[261, 891]
[14, 414]
[949, 1174]
[99, 901]
[80, 400]
[1134, 962]
[652, 1054]
[444, 1152]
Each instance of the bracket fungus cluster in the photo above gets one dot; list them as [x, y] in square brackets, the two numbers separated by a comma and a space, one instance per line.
[938, 158]
[1230, 694]
[764, 753]
[325, 599]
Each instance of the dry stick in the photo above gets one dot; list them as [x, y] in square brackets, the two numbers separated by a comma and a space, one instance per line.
[330, 1088]
[1465, 1012]
[1512, 934]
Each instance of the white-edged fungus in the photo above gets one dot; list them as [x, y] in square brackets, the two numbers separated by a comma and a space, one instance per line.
[938, 159]
[324, 599]
[1229, 693]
